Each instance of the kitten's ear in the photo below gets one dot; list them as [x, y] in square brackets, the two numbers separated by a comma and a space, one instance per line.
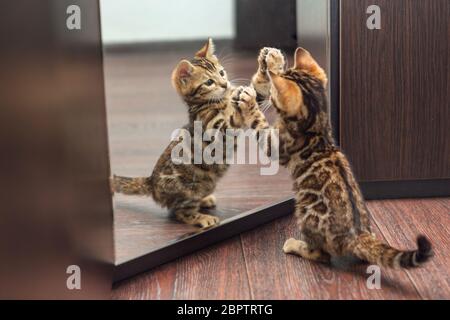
[207, 50]
[183, 71]
[305, 61]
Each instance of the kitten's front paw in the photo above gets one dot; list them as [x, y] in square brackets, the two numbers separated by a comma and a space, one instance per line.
[205, 221]
[244, 99]
[291, 246]
[208, 202]
[262, 59]
[275, 61]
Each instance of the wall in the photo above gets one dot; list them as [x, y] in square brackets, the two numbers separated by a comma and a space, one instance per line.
[166, 20]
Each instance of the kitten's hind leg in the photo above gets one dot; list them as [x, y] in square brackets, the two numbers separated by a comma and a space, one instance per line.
[208, 202]
[189, 213]
[301, 248]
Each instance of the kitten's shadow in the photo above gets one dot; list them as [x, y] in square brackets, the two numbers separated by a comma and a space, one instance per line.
[358, 268]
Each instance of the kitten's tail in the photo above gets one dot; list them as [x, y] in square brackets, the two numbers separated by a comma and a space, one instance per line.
[130, 186]
[367, 247]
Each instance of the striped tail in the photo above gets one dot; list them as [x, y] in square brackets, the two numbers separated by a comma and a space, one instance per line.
[131, 186]
[367, 247]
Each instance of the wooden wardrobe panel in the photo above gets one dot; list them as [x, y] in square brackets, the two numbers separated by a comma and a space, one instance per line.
[56, 202]
[395, 84]
[261, 23]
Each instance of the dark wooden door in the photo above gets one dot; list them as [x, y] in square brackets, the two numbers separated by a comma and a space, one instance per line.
[395, 90]
[262, 23]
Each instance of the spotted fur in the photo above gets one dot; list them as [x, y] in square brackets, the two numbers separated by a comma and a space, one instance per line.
[330, 209]
[186, 189]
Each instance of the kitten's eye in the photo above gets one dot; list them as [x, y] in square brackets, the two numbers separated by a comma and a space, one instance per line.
[210, 82]
[222, 73]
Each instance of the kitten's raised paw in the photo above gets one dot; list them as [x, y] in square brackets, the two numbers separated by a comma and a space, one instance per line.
[275, 61]
[262, 59]
[244, 98]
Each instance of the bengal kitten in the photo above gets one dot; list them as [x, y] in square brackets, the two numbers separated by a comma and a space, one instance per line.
[330, 209]
[187, 189]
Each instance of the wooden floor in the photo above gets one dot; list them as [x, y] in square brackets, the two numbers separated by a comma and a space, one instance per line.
[252, 265]
[143, 110]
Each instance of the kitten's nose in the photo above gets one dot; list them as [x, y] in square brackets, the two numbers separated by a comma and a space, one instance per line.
[225, 85]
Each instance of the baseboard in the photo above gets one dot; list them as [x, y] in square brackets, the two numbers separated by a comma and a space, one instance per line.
[405, 189]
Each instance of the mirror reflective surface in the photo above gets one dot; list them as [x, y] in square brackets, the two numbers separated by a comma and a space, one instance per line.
[143, 43]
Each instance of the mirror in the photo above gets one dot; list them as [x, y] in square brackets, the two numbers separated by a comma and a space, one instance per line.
[144, 41]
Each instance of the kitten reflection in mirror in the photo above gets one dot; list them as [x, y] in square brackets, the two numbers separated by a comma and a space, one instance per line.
[187, 189]
[330, 209]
